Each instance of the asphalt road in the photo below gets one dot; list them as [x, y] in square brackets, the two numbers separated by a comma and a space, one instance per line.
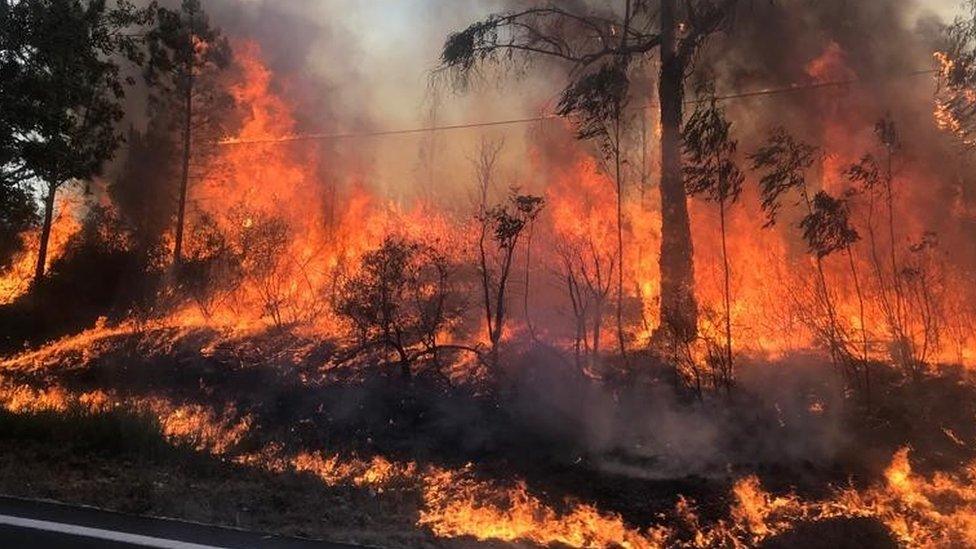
[41, 525]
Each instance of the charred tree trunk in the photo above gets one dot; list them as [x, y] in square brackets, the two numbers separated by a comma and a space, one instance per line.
[45, 232]
[679, 310]
[864, 332]
[187, 142]
[620, 203]
[405, 373]
[621, 343]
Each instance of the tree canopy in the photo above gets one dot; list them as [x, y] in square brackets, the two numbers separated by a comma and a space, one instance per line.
[62, 89]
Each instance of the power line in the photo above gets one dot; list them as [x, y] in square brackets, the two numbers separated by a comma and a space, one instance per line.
[550, 116]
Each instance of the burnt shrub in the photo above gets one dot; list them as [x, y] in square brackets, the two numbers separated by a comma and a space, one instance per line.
[399, 299]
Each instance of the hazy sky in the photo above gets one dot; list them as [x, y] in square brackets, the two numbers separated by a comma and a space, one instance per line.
[381, 51]
[372, 59]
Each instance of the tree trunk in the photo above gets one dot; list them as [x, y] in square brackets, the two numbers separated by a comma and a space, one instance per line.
[729, 374]
[185, 175]
[620, 235]
[864, 332]
[679, 310]
[45, 232]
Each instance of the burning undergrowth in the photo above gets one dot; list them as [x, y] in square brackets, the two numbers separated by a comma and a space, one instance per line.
[274, 402]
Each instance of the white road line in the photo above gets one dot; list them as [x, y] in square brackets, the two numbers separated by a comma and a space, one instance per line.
[99, 533]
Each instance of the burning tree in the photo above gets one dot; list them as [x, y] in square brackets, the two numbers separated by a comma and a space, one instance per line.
[186, 53]
[711, 170]
[504, 224]
[263, 250]
[211, 272]
[593, 42]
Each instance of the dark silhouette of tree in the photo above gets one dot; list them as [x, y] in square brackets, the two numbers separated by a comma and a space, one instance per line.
[588, 42]
[711, 171]
[827, 229]
[399, 300]
[62, 91]
[875, 179]
[503, 225]
[143, 191]
[588, 271]
[186, 53]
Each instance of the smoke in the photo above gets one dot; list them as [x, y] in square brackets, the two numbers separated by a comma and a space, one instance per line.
[787, 412]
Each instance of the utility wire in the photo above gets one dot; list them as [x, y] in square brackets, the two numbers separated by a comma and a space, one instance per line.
[550, 116]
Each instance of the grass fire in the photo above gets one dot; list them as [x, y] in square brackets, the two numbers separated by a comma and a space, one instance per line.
[601, 273]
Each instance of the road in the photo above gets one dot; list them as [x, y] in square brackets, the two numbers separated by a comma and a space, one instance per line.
[41, 525]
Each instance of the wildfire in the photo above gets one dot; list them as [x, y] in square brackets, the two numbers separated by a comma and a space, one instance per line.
[274, 228]
[920, 511]
[16, 279]
[458, 506]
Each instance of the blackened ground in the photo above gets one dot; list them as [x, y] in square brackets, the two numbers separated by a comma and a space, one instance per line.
[282, 383]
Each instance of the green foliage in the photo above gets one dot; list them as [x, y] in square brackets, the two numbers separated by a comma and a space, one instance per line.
[62, 89]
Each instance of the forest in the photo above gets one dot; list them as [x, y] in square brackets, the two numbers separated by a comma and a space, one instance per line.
[512, 273]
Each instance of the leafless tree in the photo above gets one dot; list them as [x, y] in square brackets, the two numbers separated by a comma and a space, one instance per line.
[589, 275]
